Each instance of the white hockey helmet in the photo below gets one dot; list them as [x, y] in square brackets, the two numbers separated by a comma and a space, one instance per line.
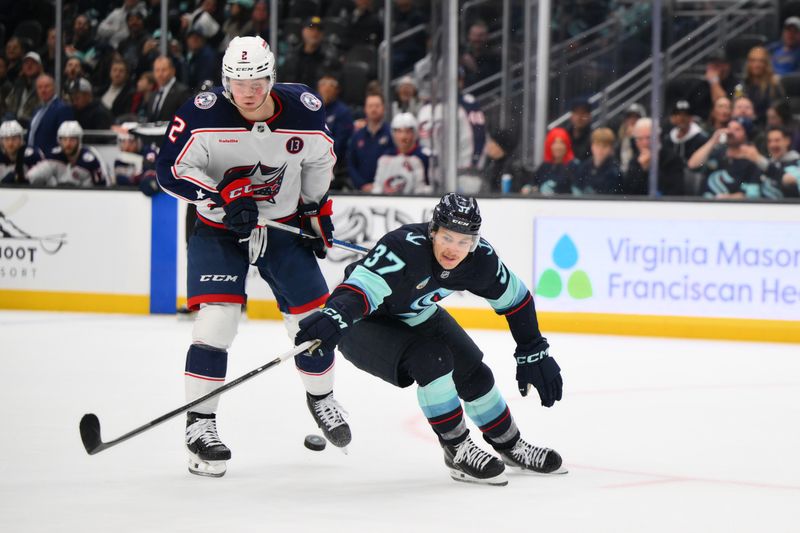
[404, 120]
[247, 58]
[11, 128]
[70, 128]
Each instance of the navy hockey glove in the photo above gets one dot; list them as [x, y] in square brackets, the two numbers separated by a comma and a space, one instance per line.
[536, 367]
[326, 326]
[241, 211]
[315, 219]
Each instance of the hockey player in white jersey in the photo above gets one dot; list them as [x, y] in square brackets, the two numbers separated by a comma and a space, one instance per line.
[70, 163]
[16, 158]
[404, 170]
[247, 149]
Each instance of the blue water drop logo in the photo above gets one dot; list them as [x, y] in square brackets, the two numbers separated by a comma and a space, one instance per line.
[565, 253]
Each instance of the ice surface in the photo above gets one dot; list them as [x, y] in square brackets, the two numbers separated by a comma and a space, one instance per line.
[659, 435]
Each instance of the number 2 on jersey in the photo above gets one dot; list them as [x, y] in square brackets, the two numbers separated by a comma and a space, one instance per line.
[177, 128]
[395, 263]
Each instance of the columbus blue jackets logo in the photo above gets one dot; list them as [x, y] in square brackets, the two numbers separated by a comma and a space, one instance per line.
[205, 100]
[266, 180]
[310, 101]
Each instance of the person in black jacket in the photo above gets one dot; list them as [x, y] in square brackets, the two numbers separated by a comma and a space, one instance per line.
[600, 174]
[670, 165]
[89, 113]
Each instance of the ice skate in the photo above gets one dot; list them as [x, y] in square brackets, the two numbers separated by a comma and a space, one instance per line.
[532, 459]
[469, 463]
[207, 454]
[329, 416]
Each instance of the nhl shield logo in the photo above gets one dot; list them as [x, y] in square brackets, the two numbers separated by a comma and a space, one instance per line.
[445, 274]
[294, 145]
[205, 100]
[310, 101]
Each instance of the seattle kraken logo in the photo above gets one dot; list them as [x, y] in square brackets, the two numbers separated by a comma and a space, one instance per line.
[266, 180]
[430, 299]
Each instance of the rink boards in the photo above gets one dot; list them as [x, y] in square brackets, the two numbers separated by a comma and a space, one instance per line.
[684, 269]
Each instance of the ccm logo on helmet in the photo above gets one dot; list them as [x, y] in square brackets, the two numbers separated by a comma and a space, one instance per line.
[218, 277]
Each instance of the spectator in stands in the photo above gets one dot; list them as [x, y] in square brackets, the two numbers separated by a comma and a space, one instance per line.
[145, 87]
[5, 84]
[480, 59]
[132, 47]
[202, 63]
[118, 95]
[82, 45]
[743, 108]
[364, 26]
[557, 171]
[23, 100]
[599, 174]
[312, 58]
[408, 51]
[685, 136]
[89, 112]
[779, 115]
[15, 158]
[70, 163]
[338, 117]
[785, 54]
[580, 128]
[670, 166]
[260, 20]
[720, 115]
[171, 93]
[114, 28]
[500, 160]
[781, 168]
[728, 173]
[625, 143]
[237, 23]
[73, 71]
[403, 170]
[368, 144]
[14, 53]
[405, 97]
[720, 81]
[761, 84]
[47, 118]
[203, 20]
[47, 52]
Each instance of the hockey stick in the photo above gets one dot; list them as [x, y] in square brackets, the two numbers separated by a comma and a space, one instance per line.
[90, 424]
[345, 245]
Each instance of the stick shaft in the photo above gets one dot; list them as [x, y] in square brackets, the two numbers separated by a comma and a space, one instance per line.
[345, 245]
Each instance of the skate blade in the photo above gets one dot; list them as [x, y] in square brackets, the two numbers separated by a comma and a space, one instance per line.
[199, 467]
[344, 450]
[520, 470]
[499, 480]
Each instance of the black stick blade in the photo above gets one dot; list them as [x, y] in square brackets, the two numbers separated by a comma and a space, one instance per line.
[90, 433]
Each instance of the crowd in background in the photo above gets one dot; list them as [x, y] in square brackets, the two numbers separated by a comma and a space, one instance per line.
[732, 136]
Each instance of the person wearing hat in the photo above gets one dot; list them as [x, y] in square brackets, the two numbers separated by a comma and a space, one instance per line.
[309, 60]
[580, 128]
[49, 116]
[625, 143]
[23, 100]
[404, 169]
[686, 135]
[15, 158]
[785, 54]
[114, 28]
[726, 162]
[89, 112]
[720, 81]
[201, 61]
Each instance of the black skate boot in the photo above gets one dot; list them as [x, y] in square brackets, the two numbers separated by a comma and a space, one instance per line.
[329, 416]
[207, 454]
[530, 458]
[467, 462]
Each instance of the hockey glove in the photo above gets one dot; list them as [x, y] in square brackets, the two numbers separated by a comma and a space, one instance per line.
[536, 367]
[241, 211]
[315, 219]
[326, 325]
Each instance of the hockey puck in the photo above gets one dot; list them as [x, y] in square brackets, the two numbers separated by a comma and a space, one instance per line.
[314, 442]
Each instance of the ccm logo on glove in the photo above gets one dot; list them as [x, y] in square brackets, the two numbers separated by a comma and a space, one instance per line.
[533, 358]
[336, 316]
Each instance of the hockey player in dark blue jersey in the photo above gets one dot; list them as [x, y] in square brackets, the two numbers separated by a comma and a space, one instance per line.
[16, 158]
[385, 319]
[250, 149]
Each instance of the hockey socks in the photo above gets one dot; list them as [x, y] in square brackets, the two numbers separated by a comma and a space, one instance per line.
[205, 372]
[492, 416]
[316, 373]
[441, 406]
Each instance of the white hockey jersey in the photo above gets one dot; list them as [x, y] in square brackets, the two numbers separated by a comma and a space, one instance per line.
[287, 158]
[402, 173]
[88, 169]
[471, 130]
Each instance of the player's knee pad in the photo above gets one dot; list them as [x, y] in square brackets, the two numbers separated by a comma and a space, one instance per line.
[216, 325]
[292, 322]
[475, 382]
[427, 360]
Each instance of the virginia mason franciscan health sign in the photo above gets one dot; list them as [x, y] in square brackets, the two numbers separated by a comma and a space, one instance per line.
[698, 268]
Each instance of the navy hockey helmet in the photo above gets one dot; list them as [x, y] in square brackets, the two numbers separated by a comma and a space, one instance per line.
[459, 214]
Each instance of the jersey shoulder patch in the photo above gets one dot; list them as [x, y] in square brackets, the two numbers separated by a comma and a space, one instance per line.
[302, 108]
[205, 100]
[311, 101]
[88, 157]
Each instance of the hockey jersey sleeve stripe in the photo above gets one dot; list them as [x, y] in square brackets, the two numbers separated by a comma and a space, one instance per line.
[305, 132]
[371, 284]
[514, 294]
